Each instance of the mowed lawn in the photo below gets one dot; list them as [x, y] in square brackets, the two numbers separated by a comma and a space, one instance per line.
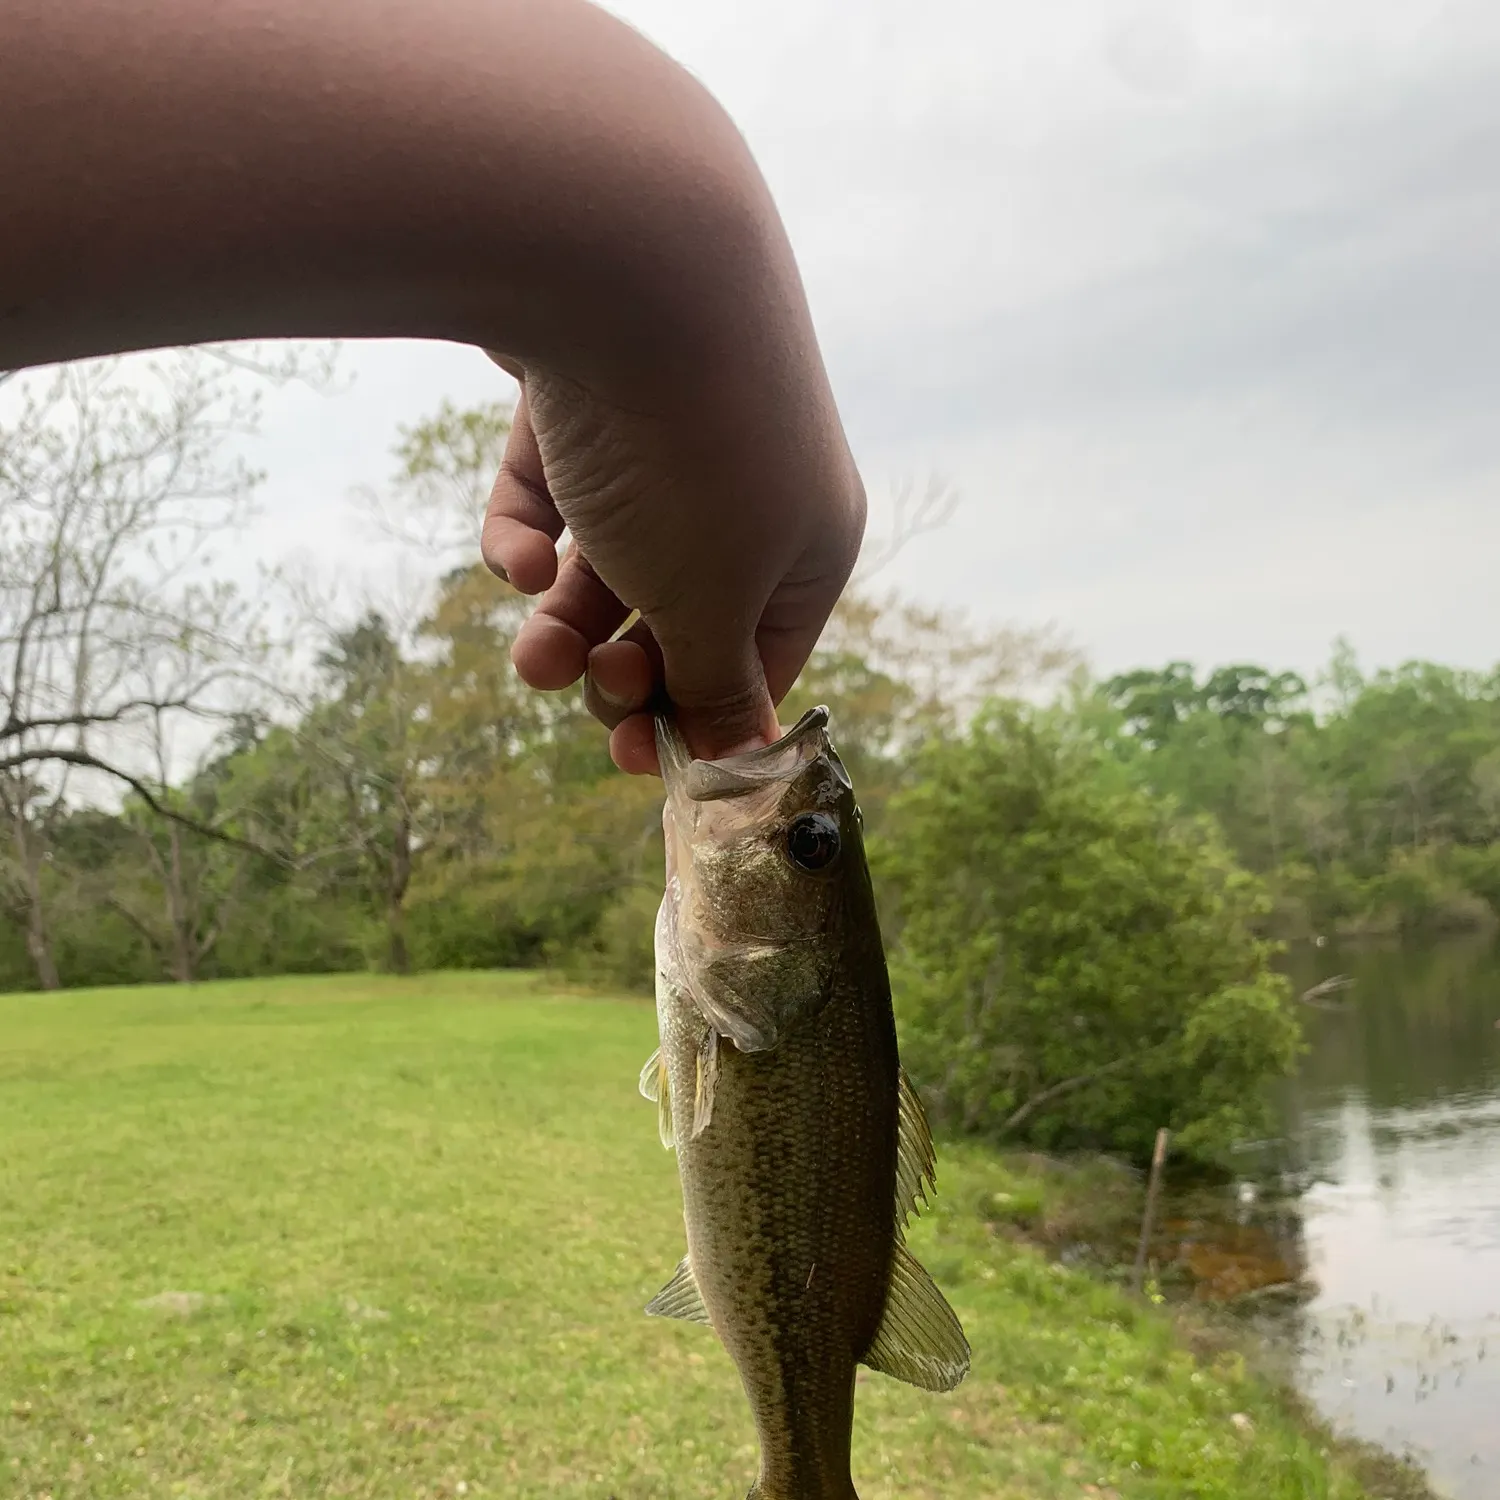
[371, 1237]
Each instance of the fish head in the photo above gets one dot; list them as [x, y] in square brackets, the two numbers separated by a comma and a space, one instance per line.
[762, 849]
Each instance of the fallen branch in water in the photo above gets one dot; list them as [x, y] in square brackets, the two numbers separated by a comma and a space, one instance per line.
[1321, 991]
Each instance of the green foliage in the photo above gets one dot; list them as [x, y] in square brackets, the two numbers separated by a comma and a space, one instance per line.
[1380, 812]
[621, 951]
[896, 674]
[419, 807]
[448, 462]
[1075, 963]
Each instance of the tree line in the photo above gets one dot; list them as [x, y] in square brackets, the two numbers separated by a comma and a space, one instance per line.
[1369, 802]
[1080, 881]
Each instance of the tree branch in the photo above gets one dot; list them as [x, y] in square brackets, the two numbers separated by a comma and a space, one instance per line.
[142, 927]
[150, 798]
[13, 728]
[1071, 1085]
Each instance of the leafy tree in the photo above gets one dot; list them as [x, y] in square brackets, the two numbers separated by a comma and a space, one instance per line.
[896, 673]
[531, 834]
[1155, 702]
[446, 464]
[1075, 963]
[366, 817]
[1376, 814]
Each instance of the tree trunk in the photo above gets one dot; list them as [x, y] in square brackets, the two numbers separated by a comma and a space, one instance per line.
[39, 945]
[179, 913]
[399, 957]
[38, 939]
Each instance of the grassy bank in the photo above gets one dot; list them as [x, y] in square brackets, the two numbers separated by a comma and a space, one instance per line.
[359, 1237]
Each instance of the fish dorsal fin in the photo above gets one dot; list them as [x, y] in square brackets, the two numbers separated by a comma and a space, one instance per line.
[680, 1297]
[920, 1339]
[657, 1087]
[916, 1159]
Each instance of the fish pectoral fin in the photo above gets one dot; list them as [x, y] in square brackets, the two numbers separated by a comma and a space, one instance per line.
[650, 1084]
[680, 1297]
[916, 1158]
[706, 1081]
[745, 1019]
[656, 1086]
[920, 1339]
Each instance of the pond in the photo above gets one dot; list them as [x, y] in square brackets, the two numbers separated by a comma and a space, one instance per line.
[1394, 1130]
[1380, 1206]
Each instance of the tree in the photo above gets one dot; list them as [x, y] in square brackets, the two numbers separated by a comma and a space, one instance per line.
[446, 466]
[1253, 698]
[896, 673]
[114, 481]
[368, 736]
[1075, 963]
[1155, 702]
[178, 887]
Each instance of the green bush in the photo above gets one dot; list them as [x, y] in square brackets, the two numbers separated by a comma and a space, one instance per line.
[1309, 901]
[1425, 893]
[1077, 964]
[621, 952]
[287, 929]
[1478, 871]
[473, 923]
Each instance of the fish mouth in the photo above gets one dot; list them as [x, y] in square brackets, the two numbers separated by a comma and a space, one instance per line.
[750, 770]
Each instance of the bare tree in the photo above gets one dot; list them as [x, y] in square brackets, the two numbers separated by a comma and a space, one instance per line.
[914, 513]
[447, 468]
[115, 479]
[28, 808]
[194, 883]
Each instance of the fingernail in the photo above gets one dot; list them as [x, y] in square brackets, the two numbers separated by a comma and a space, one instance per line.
[609, 703]
[609, 700]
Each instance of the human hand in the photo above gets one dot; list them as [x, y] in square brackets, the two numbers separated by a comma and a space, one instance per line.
[529, 175]
[732, 525]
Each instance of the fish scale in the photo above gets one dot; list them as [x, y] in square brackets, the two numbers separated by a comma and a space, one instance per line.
[800, 1146]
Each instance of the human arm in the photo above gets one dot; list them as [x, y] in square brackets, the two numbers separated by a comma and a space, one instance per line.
[530, 176]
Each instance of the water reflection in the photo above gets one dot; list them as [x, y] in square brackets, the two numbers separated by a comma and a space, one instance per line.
[1394, 1126]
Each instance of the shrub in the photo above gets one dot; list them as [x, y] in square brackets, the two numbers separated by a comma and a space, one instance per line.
[1077, 964]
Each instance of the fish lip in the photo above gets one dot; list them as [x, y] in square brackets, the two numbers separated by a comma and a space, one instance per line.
[710, 780]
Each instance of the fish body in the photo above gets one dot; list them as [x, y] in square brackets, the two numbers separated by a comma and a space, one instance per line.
[800, 1145]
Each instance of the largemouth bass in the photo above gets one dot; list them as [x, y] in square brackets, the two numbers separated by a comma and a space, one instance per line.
[801, 1146]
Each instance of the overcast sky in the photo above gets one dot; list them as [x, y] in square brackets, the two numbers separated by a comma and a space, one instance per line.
[1197, 306]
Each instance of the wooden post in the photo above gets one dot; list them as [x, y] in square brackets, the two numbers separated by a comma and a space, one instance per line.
[1153, 1187]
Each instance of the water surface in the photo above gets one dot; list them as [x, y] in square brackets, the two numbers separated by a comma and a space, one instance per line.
[1394, 1129]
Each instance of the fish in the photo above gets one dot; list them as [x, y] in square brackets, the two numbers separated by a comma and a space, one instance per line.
[802, 1147]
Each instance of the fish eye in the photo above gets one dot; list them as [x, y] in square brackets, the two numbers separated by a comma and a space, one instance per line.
[812, 841]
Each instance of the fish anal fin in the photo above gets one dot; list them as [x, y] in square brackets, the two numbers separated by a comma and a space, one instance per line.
[916, 1158]
[680, 1297]
[920, 1339]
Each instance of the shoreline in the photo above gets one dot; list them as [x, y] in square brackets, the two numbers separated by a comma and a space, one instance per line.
[1082, 1213]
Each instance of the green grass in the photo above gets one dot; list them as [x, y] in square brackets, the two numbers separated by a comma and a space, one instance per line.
[419, 1219]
